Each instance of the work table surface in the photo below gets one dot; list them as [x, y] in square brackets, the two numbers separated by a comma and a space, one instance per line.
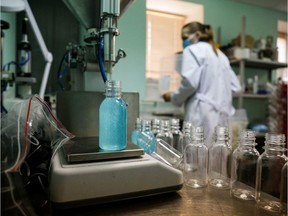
[186, 202]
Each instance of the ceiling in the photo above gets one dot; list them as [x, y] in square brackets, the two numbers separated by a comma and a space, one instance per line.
[280, 5]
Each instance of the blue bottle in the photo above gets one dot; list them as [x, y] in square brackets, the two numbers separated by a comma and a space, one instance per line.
[113, 119]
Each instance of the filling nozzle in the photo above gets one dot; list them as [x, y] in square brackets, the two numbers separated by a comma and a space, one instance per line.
[109, 30]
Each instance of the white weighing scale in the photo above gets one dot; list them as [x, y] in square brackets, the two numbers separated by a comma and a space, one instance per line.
[82, 174]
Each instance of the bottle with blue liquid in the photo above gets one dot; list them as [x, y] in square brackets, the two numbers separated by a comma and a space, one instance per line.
[113, 118]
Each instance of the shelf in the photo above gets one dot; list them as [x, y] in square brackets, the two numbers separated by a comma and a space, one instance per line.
[256, 63]
[256, 96]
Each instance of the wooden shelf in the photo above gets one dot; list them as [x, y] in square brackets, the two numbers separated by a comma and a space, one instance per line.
[257, 63]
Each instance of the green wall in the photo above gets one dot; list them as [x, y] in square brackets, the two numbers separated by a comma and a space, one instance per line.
[132, 38]
[9, 47]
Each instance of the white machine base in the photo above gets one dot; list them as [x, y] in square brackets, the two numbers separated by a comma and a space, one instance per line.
[73, 185]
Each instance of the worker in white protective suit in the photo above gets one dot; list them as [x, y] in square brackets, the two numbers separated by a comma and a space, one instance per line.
[207, 81]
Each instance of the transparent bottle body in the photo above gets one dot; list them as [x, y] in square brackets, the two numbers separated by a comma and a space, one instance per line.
[113, 124]
[136, 131]
[147, 141]
[269, 167]
[196, 165]
[156, 126]
[243, 172]
[166, 136]
[165, 132]
[219, 165]
[176, 133]
[167, 154]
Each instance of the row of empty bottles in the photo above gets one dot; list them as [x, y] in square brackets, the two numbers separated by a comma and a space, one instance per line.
[247, 174]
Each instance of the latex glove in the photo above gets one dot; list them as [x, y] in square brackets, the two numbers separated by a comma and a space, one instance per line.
[167, 96]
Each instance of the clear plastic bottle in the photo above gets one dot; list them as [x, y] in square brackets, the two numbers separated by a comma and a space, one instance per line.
[156, 124]
[283, 192]
[176, 133]
[113, 118]
[136, 131]
[219, 159]
[160, 150]
[145, 137]
[269, 167]
[165, 132]
[243, 168]
[196, 160]
[186, 136]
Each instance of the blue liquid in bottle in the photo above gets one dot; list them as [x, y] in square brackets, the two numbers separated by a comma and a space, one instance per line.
[113, 119]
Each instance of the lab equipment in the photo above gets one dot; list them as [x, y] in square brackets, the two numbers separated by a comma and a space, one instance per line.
[105, 180]
[283, 190]
[219, 159]
[136, 131]
[24, 79]
[196, 160]
[113, 118]
[269, 167]
[243, 168]
[104, 176]
[17, 6]
[165, 132]
[176, 133]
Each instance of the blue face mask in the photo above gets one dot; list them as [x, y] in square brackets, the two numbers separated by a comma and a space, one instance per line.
[186, 43]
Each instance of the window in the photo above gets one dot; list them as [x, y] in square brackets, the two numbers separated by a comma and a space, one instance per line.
[164, 20]
[282, 49]
[163, 42]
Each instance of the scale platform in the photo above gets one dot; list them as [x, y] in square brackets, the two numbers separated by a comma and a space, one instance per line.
[82, 174]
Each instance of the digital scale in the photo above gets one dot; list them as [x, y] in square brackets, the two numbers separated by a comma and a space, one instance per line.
[82, 174]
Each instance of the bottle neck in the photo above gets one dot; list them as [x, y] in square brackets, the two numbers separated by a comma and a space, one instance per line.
[113, 88]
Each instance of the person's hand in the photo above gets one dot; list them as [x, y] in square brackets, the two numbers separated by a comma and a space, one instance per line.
[167, 96]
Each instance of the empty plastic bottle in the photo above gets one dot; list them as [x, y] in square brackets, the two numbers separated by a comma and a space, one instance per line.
[156, 124]
[243, 168]
[219, 159]
[160, 150]
[269, 167]
[186, 136]
[113, 118]
[176, 133]
[196, 160]
[145, 137]
[165, 132]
